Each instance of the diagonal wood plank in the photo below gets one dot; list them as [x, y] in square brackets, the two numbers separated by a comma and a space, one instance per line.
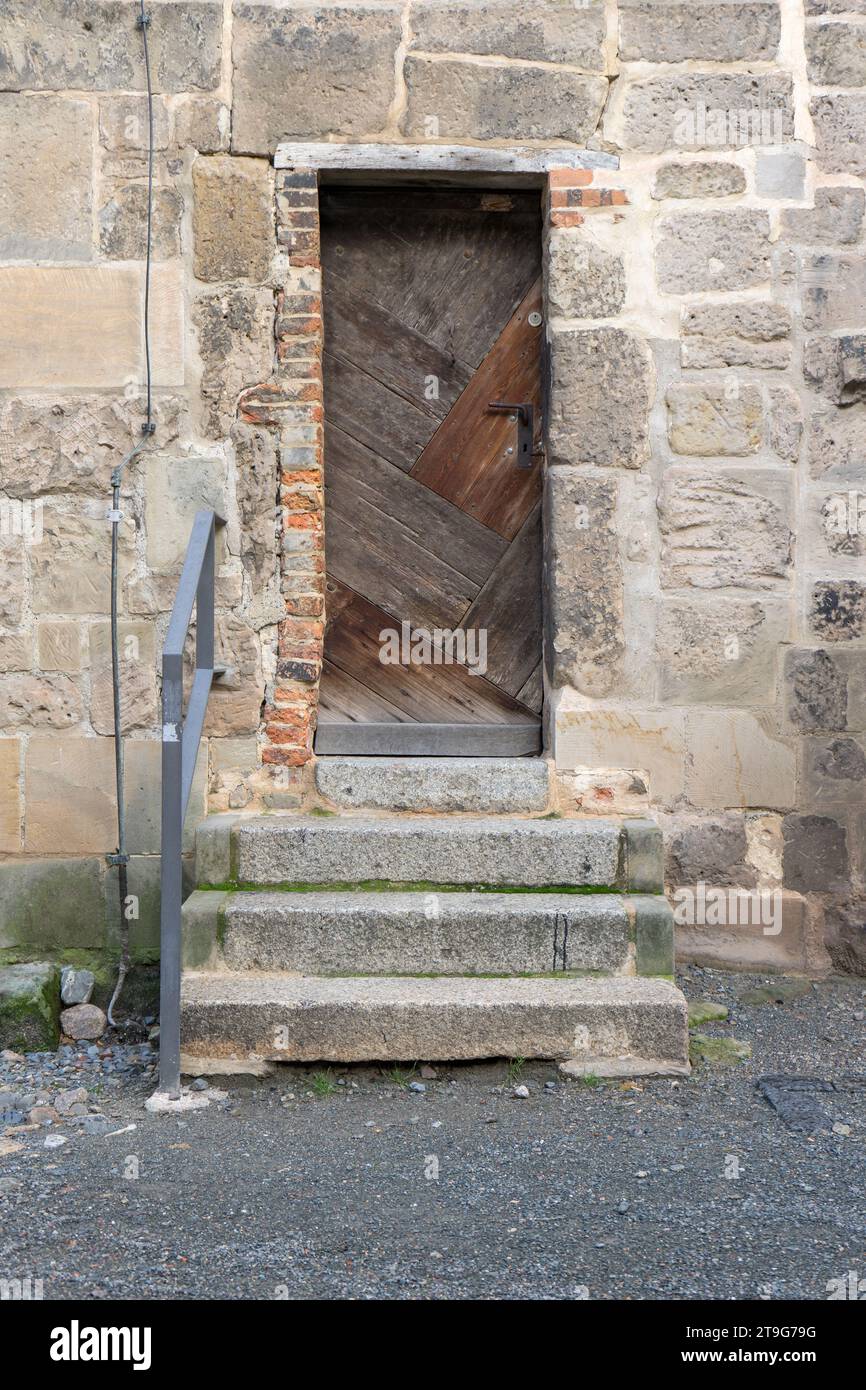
[428, 693]
[508, 609]
[467, 460]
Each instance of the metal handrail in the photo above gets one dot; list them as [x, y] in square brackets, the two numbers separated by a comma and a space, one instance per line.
[181, 736]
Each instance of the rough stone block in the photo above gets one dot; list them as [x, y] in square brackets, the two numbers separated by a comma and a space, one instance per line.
[236, 342]
[780, 174]
[546, 32]
[40, 702]
[13, 580]
[834, 772]
[10, 798]
[85, 45]
[256, 488]
[698, 179]
[647, 743]
[54, 444]
[707, 111]
[600, 397]
[585, 586]
[583, 280]
[67, 327]
[747, 945]
[815, 857]
[836, 367]
[700, 251]
[834, 292]
[236, 700]
[837, 610]
[60, 773]
[46, 174]
[123, 224]
[737, 759]
[29, 1007]
[839, 119]
[836, 54]
[786, 422]
[714, 420]
[175, 489]
[837, 442]
[471, 101]
[749, 334]
[725, 31]
[816, 691]
[836, 218]
[720, 650]
[342, 72]
[488, 785]
[846, 923]
[726, 528]
[137, 677]
[233, 218]
[710, 849]
[70, 565]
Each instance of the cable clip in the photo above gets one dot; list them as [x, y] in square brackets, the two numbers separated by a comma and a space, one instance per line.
[114, 514]
[117, 859]
[142, 21]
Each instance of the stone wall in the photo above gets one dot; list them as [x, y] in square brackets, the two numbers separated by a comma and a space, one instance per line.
[706, 501]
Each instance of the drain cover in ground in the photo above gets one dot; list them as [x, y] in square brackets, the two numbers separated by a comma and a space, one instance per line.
[795, 1100]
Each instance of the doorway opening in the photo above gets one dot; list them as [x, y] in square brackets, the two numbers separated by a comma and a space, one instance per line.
[434, 399]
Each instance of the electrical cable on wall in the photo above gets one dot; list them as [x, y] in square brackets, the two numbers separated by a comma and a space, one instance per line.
[120, 858]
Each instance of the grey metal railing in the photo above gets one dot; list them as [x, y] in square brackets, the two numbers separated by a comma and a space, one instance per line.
[181, 735]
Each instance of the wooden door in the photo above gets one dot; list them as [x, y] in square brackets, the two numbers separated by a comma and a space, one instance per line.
[432, 303]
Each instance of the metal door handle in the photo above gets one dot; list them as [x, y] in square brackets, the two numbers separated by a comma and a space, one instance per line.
[525, 413]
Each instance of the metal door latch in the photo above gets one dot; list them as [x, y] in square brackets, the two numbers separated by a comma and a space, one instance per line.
[525, 415]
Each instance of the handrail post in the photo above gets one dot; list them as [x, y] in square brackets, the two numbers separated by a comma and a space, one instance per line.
[171, 874]
[196, 587]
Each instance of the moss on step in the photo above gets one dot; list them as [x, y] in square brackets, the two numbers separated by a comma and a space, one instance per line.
[703, 1011]
[30, 1007]
[385, 885]
[723, 1052]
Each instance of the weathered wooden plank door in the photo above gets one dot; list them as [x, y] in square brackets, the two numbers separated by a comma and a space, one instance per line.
[432, 302]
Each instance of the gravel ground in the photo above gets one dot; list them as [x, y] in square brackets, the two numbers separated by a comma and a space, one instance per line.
[353, 1185]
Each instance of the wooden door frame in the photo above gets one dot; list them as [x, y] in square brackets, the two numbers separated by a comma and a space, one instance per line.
[292, 401]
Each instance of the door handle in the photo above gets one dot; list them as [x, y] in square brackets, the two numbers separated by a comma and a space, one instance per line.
[525, 413]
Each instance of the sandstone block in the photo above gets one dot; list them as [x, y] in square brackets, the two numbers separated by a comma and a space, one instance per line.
[700, 251]
[585, 583]
[650, 744]
[714, 420]
[469, 101]
[780, 174]
[750, 334]
[737, 759]
[839, 119]
[837, 610]
[836, 218]
[816, 690]
[10, 796]
[70, 565]
[837, 442]
[67, 327]
[84, 45]
[815, 857]
[725, 529]
[600, 395]
[545, 32]
[584, 281]
[233, 218]
[174, 490]
[834, 770]
[123, 224]
[52, 702]
[124, 127]
[342, 72]
[707, 110]
[137, 677]
[58, 646]
[655, 31]
[698, 179]
[834, 292]
[236, 342]
[836, 54]
[46, 174]
[720, 650]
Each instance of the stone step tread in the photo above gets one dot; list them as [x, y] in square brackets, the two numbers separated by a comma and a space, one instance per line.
[300, 1018]
[397, 933]
[490, 785]
[500, 851]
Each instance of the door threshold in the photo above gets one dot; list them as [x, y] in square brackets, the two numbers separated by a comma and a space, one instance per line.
[430, 740]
